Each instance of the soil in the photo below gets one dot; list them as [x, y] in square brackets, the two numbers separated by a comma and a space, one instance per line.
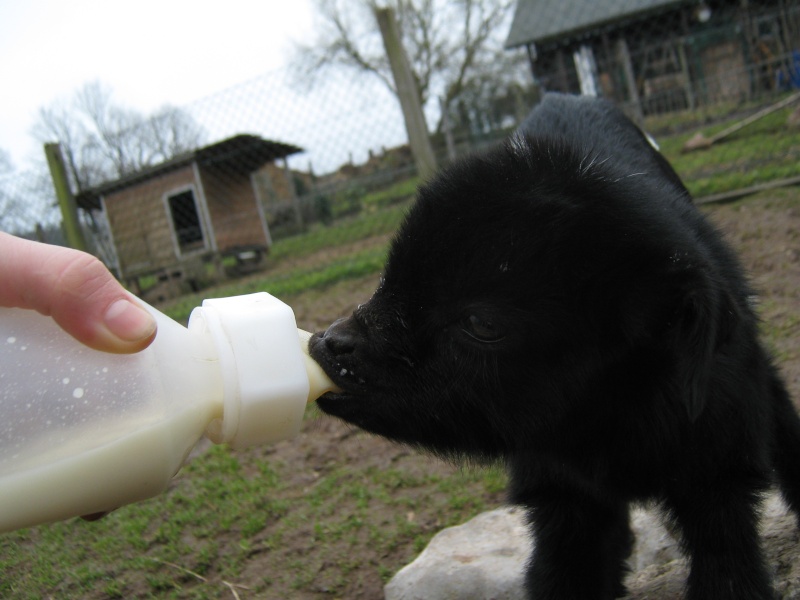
[765, 229]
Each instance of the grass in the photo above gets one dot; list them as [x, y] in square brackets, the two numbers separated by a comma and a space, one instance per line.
[348, 230]
[761, 152]
[393, 194]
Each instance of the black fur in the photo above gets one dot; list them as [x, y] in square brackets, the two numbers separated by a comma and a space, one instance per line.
[559, 304]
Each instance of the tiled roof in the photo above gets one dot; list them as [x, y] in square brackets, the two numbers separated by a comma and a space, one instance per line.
[538, 21]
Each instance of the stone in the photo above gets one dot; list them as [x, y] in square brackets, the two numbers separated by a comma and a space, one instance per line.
[485, 558]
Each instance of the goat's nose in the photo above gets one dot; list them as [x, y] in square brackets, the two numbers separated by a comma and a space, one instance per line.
[340, 338]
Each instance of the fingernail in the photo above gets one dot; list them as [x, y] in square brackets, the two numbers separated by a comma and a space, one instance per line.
[128, 321]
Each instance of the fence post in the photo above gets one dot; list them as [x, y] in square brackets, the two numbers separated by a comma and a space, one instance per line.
[298, 210]
[408, 93]
[66, 201]
[447, 127]
[624, 57]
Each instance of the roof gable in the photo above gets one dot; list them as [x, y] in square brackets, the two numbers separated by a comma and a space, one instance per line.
[538, 21]
[242, 153]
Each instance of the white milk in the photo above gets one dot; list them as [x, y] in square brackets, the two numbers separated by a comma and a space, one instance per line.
[129, 469]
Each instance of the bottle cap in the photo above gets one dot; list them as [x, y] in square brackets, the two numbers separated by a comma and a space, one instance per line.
[263, 370]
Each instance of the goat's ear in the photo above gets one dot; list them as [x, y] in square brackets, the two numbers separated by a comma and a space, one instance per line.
[704, 319]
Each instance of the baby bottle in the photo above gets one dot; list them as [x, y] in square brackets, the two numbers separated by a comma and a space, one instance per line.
[83, 431]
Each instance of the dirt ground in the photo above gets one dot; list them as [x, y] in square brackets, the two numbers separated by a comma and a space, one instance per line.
[766, 231]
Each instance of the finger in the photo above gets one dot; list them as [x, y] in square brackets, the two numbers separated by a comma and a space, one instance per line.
[77, 290]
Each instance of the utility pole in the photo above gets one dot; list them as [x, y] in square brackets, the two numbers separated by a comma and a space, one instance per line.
[408, 93]
[66, 201]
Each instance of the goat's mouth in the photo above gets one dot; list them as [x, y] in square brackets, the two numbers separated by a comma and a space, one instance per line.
[347, 380]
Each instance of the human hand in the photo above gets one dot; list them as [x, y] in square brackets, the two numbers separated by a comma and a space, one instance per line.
[75, 289]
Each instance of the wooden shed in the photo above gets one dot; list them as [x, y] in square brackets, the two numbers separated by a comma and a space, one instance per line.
[655, 56]
[177, 220]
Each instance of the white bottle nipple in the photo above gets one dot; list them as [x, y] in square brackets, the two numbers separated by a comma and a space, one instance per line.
[318, 381]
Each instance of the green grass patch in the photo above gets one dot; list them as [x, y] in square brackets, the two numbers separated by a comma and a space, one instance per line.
[761, 152]
[345, 231]
[396, 193]
[353, 266]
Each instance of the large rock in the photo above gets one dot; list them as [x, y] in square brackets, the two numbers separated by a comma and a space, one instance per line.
[485, 558]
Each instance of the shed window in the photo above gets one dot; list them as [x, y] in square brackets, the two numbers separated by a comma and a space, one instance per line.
[186, 221]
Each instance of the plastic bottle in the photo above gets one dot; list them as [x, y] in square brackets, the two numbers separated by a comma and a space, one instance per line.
[84, 432]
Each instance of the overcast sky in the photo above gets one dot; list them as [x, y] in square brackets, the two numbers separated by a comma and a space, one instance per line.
[151, 52]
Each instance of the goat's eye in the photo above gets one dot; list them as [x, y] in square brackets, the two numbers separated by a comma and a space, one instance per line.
[481, 330]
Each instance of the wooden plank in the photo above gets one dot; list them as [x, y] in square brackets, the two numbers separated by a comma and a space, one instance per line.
[732, 195]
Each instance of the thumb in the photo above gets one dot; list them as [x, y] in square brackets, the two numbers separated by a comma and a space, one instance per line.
[77, 290]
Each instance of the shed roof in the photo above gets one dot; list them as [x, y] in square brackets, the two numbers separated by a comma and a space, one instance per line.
[242, 153]
[541, 21]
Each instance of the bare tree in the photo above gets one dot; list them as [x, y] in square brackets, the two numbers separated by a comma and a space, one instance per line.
[449, 43]
[21, 206]
[6, 166]
[8, 202]
[103, 140]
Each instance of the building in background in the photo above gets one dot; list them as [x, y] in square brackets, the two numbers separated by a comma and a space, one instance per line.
[655, 56]
[176, 222]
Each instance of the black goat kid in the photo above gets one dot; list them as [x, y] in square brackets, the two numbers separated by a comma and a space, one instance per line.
[559, 304]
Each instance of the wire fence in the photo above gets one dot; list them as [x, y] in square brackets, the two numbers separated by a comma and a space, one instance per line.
[274, 157]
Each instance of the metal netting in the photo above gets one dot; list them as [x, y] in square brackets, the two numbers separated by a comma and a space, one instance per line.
[276, 155]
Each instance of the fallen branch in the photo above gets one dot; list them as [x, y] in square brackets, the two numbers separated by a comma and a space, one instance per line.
[732, 195]
[180, 568]
[701, 141]
[231, 586]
